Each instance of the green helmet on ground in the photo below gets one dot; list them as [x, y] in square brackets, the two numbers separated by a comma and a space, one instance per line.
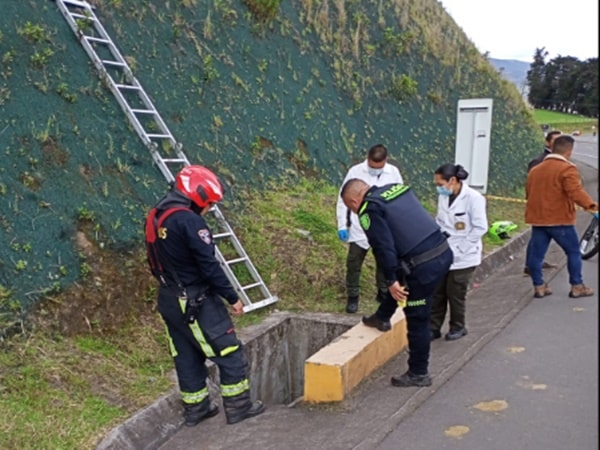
[501, 229]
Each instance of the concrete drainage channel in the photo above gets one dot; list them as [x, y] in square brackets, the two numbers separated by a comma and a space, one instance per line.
[276, 354]
[276, 349]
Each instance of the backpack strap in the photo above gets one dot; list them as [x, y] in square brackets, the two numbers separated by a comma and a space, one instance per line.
[158, 261]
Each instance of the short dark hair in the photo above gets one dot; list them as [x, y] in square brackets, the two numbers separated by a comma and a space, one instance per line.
[349, 185]
[447, 171]
[552, 133]
[563, 144]
[377, 153]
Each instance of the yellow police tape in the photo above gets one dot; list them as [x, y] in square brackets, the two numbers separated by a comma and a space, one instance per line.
[506, 199]
[519, 200]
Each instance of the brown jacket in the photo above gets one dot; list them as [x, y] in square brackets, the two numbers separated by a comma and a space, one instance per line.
[553, 187]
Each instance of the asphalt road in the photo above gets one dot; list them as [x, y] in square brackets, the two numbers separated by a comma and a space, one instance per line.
[533, 387]
[586, 150]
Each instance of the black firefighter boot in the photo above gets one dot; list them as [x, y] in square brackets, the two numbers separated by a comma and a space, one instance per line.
[195, 413]
[352, 304]
[239, 407]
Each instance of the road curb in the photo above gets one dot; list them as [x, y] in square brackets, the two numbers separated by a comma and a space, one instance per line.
[500, 256]
[153, 425]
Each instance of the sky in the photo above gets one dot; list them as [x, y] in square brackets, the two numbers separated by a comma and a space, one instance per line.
[513, 29]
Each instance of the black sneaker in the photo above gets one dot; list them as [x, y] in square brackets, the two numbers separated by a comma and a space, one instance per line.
[193, 416]
[409, 379]
[456, 334]
[352, 305]
[375, 322]
[255, 409]
[435, 334]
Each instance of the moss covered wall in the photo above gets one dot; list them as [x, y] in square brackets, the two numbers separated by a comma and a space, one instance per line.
[303, 94]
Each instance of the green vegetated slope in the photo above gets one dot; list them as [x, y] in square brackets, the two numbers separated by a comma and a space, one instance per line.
[301, 95]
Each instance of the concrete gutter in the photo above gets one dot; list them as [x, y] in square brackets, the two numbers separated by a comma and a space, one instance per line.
[500, 256]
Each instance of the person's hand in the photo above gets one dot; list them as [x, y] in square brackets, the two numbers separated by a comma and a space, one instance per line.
[237, 309]
[343, 235]
[595, 214]
[399, 293]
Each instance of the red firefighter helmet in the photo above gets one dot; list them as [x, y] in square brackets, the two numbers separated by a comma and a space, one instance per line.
[200, 185]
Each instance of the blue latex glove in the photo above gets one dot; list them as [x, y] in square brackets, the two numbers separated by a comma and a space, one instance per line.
[596, 215]
[343, 235]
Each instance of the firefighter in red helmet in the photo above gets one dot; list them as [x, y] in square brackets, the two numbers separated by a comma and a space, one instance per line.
[181, 254]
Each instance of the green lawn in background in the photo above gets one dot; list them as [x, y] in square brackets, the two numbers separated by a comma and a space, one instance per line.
[567, 123]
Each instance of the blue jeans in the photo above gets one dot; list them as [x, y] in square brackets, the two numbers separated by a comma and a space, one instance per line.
[566, 237]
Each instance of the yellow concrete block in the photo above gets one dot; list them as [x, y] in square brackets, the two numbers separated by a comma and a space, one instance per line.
[337, 368]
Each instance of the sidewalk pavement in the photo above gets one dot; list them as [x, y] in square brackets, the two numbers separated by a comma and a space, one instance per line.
[534, 386]
[375, 408]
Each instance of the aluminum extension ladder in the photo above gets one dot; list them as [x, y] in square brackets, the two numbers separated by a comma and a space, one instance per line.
[154, 133]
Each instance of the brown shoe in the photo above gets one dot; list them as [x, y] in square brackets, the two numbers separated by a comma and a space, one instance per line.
[580, 290]
[541, 291]
[548, 265]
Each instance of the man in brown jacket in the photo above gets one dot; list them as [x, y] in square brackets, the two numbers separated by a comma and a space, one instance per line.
[553, 188]
[550, 137]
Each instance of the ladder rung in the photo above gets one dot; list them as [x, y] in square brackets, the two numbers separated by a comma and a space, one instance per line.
[174, 161]
[158, 136]
[236, 260]
[78, 3]
[81, 16]
[127, 86]
[143, 111]
[221, 235]
[113, 63]
[250, 286]
[97, 39]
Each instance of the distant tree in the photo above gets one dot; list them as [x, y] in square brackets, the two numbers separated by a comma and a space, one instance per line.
[585, 93]
[561, 82]
[538, 93]
[564, 83]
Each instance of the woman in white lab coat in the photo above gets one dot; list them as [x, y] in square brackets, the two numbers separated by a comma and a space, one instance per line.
[461, 215]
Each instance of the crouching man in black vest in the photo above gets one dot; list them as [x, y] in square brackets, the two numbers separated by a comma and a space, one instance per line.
[181, 254]
[414, 256]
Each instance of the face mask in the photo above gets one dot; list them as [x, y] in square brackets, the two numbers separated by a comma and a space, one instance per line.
[443, 190]
[375, 172]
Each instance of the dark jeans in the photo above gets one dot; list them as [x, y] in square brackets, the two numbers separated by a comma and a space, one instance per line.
[421, 284]
[354, 262]
[566, 237]
[452, 293]
[528, 252]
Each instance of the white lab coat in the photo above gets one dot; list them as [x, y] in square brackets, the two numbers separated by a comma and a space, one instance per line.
[390, 174]
[466, 222]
